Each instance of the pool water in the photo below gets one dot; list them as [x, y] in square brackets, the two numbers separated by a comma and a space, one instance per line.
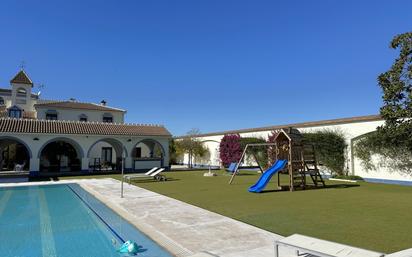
[64, 220]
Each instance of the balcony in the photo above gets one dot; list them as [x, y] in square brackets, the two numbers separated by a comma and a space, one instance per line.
[25, 114]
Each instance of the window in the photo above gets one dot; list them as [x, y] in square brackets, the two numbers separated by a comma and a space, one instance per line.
[21, 92]
[83, 117]
[108, 118]
[15, 112]
[107, 154]
[1, 101]
[51, 115]
[138, 152]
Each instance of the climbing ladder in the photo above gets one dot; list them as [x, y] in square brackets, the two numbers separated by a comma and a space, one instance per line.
[311, 167]
[298, 168]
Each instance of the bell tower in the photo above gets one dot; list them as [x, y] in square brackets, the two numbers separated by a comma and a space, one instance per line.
[21, 91]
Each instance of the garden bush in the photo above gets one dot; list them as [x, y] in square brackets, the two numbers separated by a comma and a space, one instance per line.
[230, 149]
[330, 149]
[395, 157]
[260, 152]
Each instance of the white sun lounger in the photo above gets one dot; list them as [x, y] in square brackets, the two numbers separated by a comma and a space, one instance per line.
[147, 173]
[156, 175]
[404, 253]
[321, 248]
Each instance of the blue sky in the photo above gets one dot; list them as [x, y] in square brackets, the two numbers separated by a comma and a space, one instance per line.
[207, 64]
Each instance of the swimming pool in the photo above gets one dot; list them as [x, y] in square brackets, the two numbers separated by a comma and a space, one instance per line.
[64, 220]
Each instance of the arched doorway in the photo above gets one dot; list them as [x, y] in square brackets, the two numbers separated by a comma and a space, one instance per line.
[60, 155]
[147, 154]
[106, 154]
[14, 155]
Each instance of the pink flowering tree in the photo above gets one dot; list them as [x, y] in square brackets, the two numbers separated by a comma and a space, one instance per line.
[272, 148]
[230, 149]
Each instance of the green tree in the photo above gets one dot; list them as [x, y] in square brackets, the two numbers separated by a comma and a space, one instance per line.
[397, 95]
[191, 145]
[172, 152]
[392, 142]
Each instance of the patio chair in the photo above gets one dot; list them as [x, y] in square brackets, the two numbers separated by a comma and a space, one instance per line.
[310, 246]
[404, 253]
[19, 167]
[155, 175]
[147, 173]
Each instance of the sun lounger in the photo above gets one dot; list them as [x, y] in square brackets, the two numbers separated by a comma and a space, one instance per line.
[147, 173]
[322, 248]
[404, 253]
[155, 175]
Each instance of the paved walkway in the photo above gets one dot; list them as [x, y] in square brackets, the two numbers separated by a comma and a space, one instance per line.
[174, 222]
[183, 229]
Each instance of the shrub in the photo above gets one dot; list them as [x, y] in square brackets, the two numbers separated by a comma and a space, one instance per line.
[395, 157]
[330, 149]
[272, 149]
[259, 151]
[230, 149]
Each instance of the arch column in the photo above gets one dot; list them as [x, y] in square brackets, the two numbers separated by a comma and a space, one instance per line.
[34, 166]
[128, 163]
[85, 164]
[34, 162]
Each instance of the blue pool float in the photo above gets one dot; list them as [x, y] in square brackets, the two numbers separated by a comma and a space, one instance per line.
[129, 247]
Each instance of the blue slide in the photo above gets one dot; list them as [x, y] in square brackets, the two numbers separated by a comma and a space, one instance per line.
[267, 175]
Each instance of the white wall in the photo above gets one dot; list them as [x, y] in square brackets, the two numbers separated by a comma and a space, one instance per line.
[145, 150]
[350, 131]
[7, 100]
[10, 98]
[379, 173]
[73, 114]
[96, 152]
[28, 103]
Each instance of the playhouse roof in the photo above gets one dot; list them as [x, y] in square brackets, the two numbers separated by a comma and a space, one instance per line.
[292, 134]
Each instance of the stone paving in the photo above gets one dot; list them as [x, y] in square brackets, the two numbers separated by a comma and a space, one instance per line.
[194, 230]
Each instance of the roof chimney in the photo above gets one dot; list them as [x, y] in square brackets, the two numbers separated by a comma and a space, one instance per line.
[103, 102]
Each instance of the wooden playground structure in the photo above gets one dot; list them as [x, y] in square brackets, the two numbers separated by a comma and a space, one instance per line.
[301, 159]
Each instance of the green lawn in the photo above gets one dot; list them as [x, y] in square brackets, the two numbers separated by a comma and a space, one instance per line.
[371, 216]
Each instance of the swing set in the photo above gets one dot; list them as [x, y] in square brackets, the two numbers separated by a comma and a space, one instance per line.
[301, 159]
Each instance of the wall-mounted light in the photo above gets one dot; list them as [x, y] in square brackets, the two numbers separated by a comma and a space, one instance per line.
[129, 140]
[36, 139]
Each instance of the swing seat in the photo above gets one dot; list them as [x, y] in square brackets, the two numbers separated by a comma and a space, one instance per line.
[232, 167]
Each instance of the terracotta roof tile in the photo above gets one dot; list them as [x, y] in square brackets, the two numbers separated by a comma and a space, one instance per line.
[8, 125]
[22, 78]
[77, 105]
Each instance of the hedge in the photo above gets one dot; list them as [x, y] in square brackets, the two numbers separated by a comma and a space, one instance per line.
[330, 149]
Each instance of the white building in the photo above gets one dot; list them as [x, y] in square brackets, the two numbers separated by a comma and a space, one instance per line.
[352, 128]
[54, 137]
